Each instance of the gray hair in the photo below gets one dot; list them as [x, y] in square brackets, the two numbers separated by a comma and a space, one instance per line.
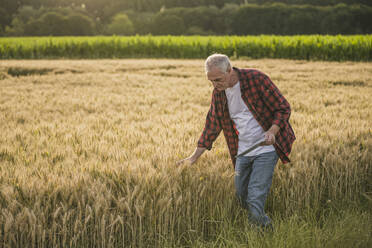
[220, 61]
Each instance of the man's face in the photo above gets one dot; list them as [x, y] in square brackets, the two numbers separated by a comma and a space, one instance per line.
[220, 80]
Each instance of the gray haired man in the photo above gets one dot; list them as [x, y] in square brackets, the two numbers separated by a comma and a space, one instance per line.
[250, 109]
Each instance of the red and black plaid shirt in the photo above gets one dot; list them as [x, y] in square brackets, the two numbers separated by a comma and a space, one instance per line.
[267, 105]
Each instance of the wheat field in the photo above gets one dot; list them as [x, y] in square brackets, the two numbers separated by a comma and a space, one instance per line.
[88, 151]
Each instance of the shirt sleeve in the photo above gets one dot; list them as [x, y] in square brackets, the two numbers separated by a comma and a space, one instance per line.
[212, 127]
[275, 101]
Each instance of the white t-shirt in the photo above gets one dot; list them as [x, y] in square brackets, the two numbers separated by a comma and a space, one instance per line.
[249, 129]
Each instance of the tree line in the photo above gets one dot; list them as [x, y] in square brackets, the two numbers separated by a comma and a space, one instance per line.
[183, 17]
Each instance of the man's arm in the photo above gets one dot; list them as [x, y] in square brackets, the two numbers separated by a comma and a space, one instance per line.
[210, 133]
[277, 104]
[194, 157]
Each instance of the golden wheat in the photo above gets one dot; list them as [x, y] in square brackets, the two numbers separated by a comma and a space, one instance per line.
[88, 150]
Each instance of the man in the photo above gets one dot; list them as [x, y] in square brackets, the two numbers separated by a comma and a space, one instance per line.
[248, 107]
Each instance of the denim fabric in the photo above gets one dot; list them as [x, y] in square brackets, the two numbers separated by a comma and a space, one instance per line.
[253, 177]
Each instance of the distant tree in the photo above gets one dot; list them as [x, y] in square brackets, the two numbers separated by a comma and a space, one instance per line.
[339, 20]
[193, 30]
[53, 23]
[4, 18]
[34, 28]
[110, 10]
[8, 9]
[219, 3]
[26, 12]
[79, 24]
[57, 22]
[16, 28]
[19, 26]
[362, 19]
[142, 21]
[207, 18]
[226, 13]
[302, 20]
[120, 25]
[165, 24]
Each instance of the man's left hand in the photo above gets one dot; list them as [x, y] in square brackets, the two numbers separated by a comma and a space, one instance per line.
[269, 138]
[270, 135]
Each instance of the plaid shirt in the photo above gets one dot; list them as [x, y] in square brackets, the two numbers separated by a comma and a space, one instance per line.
[267, 105]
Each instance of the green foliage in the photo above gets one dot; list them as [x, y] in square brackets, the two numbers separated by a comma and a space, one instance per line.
[57, 22]
[52, 23]
[208, 19]
[301, 19]
[4, 18]
[120, 25]
[195, 18]
[195, 30]
[26, 13]
[165, 23]
[79, 24]
[314, 47]
[105, 10]
[226, 13]
[142, 21]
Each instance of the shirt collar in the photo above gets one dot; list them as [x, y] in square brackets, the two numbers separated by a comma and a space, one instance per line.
[242, 78]
[238, 71]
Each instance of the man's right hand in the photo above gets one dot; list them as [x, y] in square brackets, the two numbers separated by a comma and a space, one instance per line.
[188, 161]
[193, 158]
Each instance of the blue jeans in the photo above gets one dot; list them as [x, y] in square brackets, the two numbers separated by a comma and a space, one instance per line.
[253, 177]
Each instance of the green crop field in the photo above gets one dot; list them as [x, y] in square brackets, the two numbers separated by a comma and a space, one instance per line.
[88, 152]
[312, 47]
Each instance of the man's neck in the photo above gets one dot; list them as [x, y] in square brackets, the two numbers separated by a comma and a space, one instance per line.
[234, 78]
